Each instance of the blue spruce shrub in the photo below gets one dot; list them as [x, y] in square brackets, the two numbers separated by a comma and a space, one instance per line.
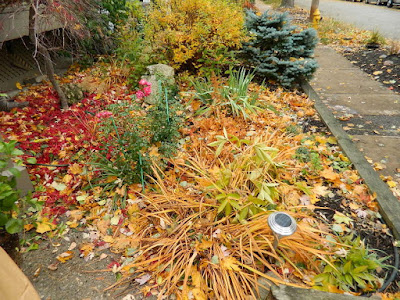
[279, 50]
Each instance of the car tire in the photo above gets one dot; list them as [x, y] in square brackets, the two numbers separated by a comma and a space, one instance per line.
[389, 3]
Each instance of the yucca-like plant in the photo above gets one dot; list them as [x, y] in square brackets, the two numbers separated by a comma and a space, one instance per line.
[233, 95]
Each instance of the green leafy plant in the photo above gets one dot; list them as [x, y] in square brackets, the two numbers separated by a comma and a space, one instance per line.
[133, 140]
[306, 155]
[234, 95]
[352, 269]
[278, 50]
[133, 49]
[9, 195]
[252, 173]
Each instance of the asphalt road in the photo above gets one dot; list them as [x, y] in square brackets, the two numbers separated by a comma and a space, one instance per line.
[366, 16]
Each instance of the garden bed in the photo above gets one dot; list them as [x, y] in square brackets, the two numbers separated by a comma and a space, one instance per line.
[173, 197]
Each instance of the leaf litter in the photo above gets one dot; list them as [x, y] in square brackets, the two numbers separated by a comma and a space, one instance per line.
[200, 230]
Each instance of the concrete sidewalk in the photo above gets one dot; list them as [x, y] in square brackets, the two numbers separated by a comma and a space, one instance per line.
[364, 116]
[370, 112]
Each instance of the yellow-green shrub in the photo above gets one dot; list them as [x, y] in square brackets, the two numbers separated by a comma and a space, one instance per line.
[192, 34]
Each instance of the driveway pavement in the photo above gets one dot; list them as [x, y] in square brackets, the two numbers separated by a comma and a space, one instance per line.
[365, 16]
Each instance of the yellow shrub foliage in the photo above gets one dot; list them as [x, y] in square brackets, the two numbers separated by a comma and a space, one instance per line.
[190, 34]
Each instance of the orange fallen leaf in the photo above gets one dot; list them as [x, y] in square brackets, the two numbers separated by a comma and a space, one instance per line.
[75, 169]
[63, 257]
[330, 174]
[28, 227]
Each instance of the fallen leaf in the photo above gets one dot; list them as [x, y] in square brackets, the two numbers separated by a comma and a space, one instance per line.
[72, 246]
[63, 257]
[143, 279]
[44, 227]
[329, 174]
[230, 263]
[53, 266]
[75, 169]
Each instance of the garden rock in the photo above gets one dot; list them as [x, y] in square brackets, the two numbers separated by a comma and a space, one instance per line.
[156, 74]
[388, 63]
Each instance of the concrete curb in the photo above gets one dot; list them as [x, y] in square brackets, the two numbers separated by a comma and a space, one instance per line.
[389, 205]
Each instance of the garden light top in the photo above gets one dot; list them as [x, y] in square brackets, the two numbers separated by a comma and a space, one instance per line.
[282, 224]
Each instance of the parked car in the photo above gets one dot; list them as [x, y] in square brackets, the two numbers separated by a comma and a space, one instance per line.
[377, 2]
[390, 3]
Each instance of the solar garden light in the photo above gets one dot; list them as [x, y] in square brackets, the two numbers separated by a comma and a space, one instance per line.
[281, 224]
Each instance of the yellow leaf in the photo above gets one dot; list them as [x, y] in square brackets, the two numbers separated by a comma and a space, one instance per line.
[72, 224]
[204, 245]
[391, 183]
[86, 249]
[230, 263]
[28, 227]
[332, 140]
[111, 179]
[320, 190]
[44, 227]
[199, 294]
[108, 239]
[18, 85]
[63, 257]
[75, 169]
[330, 174]
[67, 178]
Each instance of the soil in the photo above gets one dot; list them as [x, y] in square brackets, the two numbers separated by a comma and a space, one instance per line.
[76, 279]
[375, 235]
[379, 63]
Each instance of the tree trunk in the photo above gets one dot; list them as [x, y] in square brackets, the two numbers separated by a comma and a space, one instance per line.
[287, 3]
[314, 7]
[33, 17]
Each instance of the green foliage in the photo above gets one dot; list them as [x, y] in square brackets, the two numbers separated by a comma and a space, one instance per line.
[252, 173]
[233, 96]
[352, 269]
[279, 50]
[306, 155]
[376, 38]
[195, 35]
[136, 139]
[133, 49]
[9, 195]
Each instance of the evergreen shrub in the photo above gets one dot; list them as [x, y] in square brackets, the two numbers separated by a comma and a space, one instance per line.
[279, 50]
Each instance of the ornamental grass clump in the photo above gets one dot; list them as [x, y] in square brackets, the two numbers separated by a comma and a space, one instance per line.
[278, 50]
[190, 247]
